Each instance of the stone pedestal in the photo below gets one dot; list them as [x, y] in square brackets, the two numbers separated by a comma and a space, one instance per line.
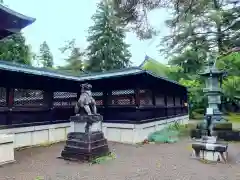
[85, 146]
[208, 148]
[6, 149]
[79, 126]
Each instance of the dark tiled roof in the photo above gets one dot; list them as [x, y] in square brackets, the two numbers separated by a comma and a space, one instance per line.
[15, 67]
[12, 21]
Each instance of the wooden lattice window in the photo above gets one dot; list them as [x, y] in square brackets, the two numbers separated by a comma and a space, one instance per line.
[64, 99]
[145, 97]
[98, 96]
[122, 97]
[28, 97]
[3, 96]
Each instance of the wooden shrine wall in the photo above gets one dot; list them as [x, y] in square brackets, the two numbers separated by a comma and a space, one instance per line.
[26, 107]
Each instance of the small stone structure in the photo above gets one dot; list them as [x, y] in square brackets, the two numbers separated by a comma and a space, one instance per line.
[210, 149]
[86, 141]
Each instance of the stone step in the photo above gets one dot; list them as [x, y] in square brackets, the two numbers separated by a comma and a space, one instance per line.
[84, 154]
[92, 144]
[92, 136]
[85, 146]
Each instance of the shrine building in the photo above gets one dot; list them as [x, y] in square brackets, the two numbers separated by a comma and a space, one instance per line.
[36, 103]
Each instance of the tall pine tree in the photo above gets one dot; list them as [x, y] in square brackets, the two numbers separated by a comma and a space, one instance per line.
[107, 49]
[74, 61]
[45, 55]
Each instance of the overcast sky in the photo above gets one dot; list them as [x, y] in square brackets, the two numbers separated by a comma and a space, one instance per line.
[58, 21]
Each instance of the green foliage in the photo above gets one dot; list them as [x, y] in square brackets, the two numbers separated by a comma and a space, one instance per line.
[191, 61]
[231, 84]
[231, 87]
[14, 49]
[172, 72]
[195, 94]
[230, 63]
[39, 178]
[103, 159]
[107, 49]
[74, 61]
[45, 55]
[176, 73]
[155, 67]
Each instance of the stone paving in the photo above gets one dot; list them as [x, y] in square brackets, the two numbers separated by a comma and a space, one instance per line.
[147, 162]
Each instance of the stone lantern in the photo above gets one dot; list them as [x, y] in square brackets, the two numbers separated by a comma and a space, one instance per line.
[210, 146]
[213, 91]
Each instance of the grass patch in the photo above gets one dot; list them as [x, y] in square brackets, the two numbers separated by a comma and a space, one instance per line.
[170, 134]
[233, 117]
[39, 178]
[103, 159]
[182, 129]
[197, 116]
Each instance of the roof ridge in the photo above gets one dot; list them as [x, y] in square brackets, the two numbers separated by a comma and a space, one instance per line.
[29, 67]
[40, 69]
[112, 71]
[17, 67]
[148, 58]
[15, 13]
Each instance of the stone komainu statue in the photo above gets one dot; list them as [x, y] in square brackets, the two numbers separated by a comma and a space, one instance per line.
[86, 104]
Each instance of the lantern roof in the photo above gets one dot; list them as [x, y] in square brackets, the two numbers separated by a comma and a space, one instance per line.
[212, 71]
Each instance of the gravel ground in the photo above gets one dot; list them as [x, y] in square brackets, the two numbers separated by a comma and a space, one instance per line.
[147, 162]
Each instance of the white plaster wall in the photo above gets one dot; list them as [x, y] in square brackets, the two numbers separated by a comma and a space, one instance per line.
[6, 149]
[37, 135]
[134, 133]
[124, 133]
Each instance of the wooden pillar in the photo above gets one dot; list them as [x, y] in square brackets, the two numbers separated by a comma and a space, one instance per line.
[154, 97]
[105, 99]
[166, 104]
[78, 95]
[9, 102]
[181, 104]
[154, 109]
[137, 96]
[137, 103]
[105, 103]
[174, 104]
[48, 101]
